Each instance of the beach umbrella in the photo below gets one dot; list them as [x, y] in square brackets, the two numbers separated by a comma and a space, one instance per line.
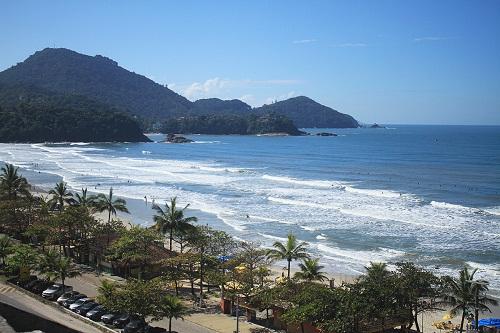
[240, 269]
[447, 316]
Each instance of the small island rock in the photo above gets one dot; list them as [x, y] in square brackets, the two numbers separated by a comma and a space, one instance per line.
[173, 138]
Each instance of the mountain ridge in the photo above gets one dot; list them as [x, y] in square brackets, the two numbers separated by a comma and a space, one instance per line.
[100, 78]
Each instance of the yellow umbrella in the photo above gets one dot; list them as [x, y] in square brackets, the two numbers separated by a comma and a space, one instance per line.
[234, 285]
[280, 279]
[447, 316]
[240, 269]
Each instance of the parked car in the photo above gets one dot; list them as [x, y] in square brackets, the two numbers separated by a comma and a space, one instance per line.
[136, 325]
[122, 320]
[40, 286]
[83, 309]
[24, 283]
[55, 290]
[151, 329]
[96, 313]
[66, 296]
[73, 306]
[108, 318]
[31, 284]
[72, 300]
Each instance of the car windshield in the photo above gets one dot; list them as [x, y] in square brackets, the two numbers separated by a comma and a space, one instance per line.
[54, 287]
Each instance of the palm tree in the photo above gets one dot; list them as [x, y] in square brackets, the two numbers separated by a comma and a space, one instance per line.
[47, 264]
[172, 307]
[85, 200]
[60, 196]
[461, 293]
[377, 272]
[12, 185]
[310, 270]
[5, 247]
[291, 250]
[106, 289]
[172, 219]
[66, 269]
[107, 203]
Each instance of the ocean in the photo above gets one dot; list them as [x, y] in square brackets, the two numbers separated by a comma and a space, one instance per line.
[427, 194]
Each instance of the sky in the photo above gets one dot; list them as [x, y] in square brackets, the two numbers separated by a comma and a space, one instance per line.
[392, 62]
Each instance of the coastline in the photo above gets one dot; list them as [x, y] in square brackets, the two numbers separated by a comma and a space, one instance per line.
[42, 182]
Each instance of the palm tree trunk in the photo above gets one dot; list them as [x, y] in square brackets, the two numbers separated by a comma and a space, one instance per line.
[289, 261]
[109, 216]
[415, 318]
[462, 322]
[171, 237]
[169, 324]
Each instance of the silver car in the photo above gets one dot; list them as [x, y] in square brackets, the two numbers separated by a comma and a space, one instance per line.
[79, 303]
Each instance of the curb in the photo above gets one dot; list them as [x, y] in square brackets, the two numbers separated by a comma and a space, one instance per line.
[100, 327]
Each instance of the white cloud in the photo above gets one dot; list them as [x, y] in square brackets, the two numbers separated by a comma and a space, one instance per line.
[282, 97]
[304, 41]
[204, 89]
[430, 39]
[248, 98]
[228, 88]
[350, 45]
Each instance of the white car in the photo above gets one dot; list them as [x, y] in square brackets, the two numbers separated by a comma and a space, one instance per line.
[55, 290]
[80, 302]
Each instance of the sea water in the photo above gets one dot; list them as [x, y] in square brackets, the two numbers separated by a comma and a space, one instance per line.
[428, 194]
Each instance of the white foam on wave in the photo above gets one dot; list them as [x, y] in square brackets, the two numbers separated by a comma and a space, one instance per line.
[146, 152]
[311, 183]
[359, 256]
[374, 193]
[493, 210]
[446, 205]
[321, 237]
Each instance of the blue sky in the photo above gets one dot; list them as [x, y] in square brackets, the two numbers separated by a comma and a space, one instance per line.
[413, 62]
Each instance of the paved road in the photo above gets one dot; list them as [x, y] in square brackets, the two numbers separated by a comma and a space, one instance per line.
[23, 302]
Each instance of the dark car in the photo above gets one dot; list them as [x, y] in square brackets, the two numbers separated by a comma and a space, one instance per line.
[122, 320]
[96, 313]
[82, 310]
[31, 284]
[24, 283]
[40, 286]
[72, 300]
[55, 290]
[108, 318]
[136, 325]
[66, 296]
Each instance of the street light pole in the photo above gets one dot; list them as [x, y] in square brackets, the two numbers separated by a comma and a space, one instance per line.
[237, 313]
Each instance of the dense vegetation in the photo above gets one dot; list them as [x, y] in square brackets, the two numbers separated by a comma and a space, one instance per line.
[53, 232]
[305, 113]
[230, 124]
[101, 79]
[31, 114]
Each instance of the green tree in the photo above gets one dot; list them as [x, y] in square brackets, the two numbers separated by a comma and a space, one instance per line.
[65, 268]
[417, 289]
[5, 247]
[23, 259]
[291, 250]
[460, 294]
[172, 219]
[47, 264]
[85, 200]
[310, 270]
[60, 196]
[107, 203]
[170, 307]
[12, 185]
[135, 246]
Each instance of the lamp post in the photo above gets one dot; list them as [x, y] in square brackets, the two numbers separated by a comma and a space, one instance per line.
[237, 313]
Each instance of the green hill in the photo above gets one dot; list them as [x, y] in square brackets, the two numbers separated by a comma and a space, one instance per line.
[32, 114]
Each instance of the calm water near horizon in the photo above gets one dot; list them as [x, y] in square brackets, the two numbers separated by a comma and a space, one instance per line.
[429, 194]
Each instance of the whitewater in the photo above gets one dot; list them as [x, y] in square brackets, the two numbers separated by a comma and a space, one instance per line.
[428, 194]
